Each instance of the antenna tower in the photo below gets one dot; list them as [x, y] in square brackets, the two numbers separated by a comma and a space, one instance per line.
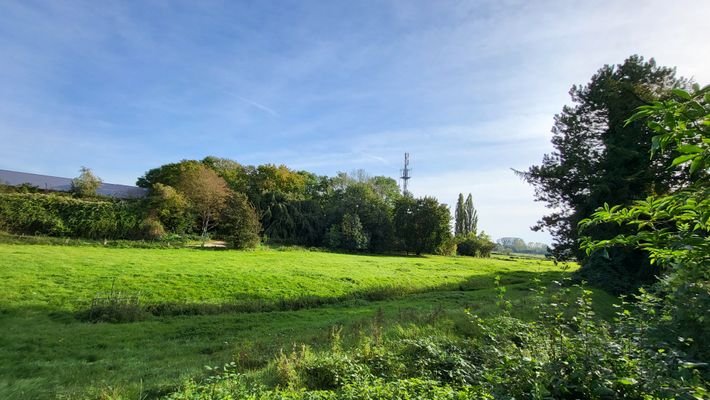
[405, 174]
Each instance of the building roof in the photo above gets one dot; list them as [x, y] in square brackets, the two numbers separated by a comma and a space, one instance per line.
[58, 184]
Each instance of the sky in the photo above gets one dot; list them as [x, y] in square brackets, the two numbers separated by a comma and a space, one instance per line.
[468, 88]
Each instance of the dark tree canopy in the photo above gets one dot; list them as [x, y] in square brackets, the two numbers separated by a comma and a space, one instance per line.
[598, 158]
[421, 225]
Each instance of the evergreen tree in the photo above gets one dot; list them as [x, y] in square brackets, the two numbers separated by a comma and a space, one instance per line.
[598, 158]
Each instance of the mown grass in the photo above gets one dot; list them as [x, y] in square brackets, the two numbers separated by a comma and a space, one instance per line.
[47, 352]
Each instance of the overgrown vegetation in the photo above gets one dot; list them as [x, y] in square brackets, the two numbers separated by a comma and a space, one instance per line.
[57, 215]
[565, 352]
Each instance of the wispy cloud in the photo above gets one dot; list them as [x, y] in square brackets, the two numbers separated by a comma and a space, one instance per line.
[259, 106]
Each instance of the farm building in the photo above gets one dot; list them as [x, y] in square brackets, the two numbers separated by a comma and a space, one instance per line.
[59, 184]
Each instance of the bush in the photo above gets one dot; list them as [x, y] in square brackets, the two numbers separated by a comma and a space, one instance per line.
[152, 229]
[448, 247]
[55, 215]
[86, 184]
[240, 223]
[475, 245]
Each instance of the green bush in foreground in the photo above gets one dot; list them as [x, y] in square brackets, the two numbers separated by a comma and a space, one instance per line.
[565, 353]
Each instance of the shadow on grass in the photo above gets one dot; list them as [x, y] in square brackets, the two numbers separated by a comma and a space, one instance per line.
[118, 310]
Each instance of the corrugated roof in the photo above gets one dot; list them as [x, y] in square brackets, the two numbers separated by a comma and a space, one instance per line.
[58, 184]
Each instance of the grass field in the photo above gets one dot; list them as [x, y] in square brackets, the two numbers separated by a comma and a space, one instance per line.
[199, 300]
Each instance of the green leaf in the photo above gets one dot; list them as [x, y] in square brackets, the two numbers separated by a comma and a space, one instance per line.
[695, 165]
[689, 149]
[681, 93]
[682, 159]
[627, 381]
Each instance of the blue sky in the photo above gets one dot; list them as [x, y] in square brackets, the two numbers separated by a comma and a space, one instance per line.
[469, 88]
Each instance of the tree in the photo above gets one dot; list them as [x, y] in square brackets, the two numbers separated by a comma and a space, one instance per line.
[466, 217]
[235, 174]
[207, 193]
[168, 174]
[673, 228]
[239, 222]
[171, 208]
[470, 221]
[373, 212]
[421, 225]
[86, 184]
[459, 216]
[352, 236]
[598, 158]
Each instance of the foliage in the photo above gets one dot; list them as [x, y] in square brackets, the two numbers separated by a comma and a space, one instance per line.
[459, 215]
[372, 210]
[475, 245]
[352, 236]
[673, 229]
[466, 217]
[170, 207]
[151, 229]
[421, 225]
[207, 194]
[168, 174]
[470, 220]
[566, 352]
[518, 245]
[55, 215]
[86, 184]
[598, 158]
[239, 222]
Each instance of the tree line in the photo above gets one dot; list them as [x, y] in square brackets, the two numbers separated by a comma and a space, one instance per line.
[245, 205]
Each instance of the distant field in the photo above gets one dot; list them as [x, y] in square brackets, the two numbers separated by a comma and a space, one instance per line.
[45, 351]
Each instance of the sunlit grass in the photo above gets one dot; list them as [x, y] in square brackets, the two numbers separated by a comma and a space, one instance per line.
[46, 351]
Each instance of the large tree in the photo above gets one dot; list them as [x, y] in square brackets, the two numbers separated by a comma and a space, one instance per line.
[598, 158]
[421, 225]
[207, 193]
[470, 218]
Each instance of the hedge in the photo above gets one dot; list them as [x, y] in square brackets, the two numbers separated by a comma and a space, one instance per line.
[55, 215]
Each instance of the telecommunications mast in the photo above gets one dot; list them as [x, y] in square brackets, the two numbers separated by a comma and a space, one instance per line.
[405, 174]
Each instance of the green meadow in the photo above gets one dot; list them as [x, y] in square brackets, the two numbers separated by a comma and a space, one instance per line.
[210, 307]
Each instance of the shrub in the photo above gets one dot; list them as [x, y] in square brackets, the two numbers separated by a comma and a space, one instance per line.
[55, 215]
[86, 184]
[151, 229]
[240, 223]
[475, 245]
